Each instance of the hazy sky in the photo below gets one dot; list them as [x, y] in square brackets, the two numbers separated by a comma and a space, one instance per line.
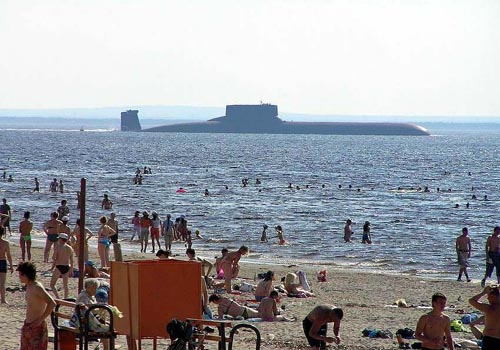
[407, 57]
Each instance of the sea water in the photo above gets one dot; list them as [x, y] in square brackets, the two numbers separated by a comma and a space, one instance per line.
[413, 231]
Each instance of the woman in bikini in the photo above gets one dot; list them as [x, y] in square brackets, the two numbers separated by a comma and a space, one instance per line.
[103, 241]
[25, 228]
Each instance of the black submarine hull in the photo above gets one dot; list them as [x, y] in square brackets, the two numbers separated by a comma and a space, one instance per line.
[263, 119]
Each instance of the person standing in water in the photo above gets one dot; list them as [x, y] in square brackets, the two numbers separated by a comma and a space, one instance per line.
[367, 237]
[348, 231]
[463, 247]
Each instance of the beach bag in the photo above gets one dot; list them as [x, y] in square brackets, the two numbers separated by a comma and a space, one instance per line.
[406, 333]
[177, 329]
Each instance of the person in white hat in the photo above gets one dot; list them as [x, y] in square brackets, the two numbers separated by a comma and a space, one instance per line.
[62, 264]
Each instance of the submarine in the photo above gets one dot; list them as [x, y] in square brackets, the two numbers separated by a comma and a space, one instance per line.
[263, 119]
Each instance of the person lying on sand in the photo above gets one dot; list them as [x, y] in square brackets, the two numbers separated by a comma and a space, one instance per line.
[226, 306]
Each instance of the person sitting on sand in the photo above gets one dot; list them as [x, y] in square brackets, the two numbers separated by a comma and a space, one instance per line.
[433, 325]
[230, 266]
[265, 286]
[268, 309]
[491, 311]
[164, 254]
[316, 323]
[226, 306]
[279, 233]
[295, 289]
[92, 271]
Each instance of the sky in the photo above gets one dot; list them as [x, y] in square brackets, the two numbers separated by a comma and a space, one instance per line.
[345, 57]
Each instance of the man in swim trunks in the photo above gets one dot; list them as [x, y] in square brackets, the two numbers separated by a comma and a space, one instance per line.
[433, 325]
[4, 258]
[493, 249]
[226, 306]
[463, 247]
[230, 266]
[51, 229]
[39, 305]
[25, 228]
[62, 264]
[491, 311]
[316, 323]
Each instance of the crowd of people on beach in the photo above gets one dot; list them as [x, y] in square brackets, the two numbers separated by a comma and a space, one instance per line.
[433, 328]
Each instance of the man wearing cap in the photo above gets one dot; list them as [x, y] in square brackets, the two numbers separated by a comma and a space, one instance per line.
[62, 264]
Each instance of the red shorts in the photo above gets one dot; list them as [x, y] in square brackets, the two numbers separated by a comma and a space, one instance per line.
[155, 232]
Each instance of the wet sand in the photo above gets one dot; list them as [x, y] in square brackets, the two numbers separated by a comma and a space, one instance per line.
[366, 299]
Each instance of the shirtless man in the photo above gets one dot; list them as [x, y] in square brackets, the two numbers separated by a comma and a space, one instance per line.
[493, 250]
[491, 311]
[432, 326]
[106, 203]
[268, 309]
[226, 306]
[463, 247]
[230, 266]
[25, 228]
[62, 264]
[316, 323]
[347, 231]
[51, 229]
[39, 305]
[4, 258]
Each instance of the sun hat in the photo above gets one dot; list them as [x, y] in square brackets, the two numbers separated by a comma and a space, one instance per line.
[64, 218]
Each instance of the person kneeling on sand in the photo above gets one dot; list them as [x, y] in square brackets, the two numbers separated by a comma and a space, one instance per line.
[316, 323]
[268, 309]
[226, 306]
[433, 325]
[491, 311]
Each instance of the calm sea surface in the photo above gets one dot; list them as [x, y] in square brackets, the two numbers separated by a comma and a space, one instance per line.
[413, 232]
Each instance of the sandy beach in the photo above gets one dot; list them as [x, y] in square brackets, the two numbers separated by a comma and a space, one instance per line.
[366, 298]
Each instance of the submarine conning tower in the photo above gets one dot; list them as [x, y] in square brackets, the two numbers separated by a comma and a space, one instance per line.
[130, 121]
[263, 113]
